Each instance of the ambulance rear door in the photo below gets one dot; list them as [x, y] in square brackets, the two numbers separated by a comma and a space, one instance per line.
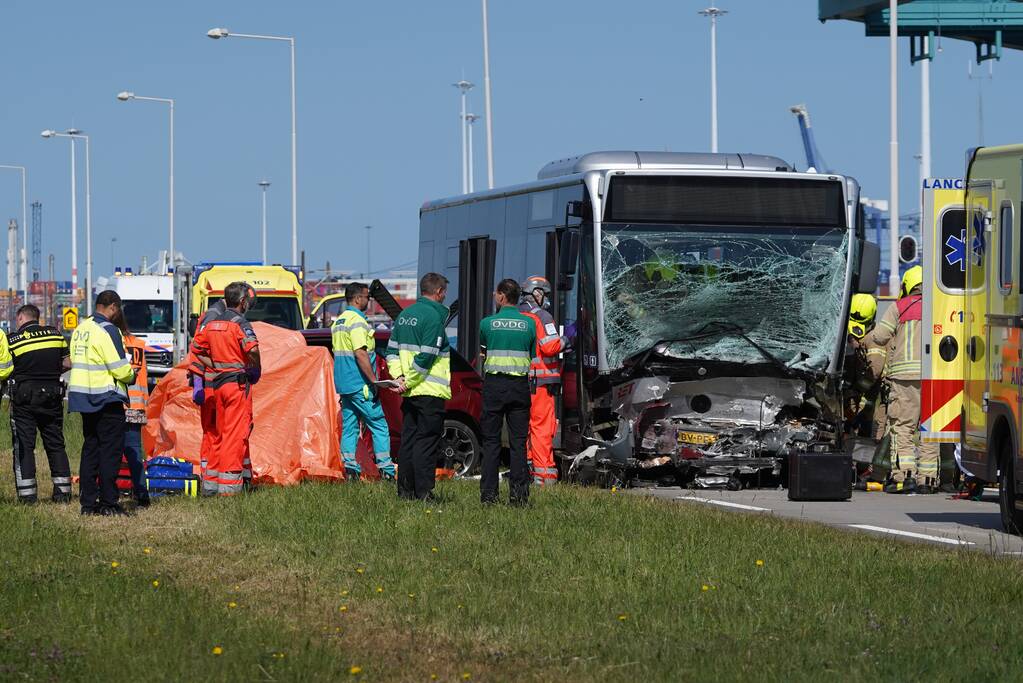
[975, 359]
[943, 256]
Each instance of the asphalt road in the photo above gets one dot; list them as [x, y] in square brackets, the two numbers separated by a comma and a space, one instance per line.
[936, 519]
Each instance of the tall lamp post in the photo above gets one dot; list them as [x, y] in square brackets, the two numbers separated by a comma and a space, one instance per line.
[713, 13]
[369, 229]
[23, 281]
[464, 87]
[124, 97]
[74, 133]
[218, 33]
[264, 185]
[486, 99]
[471, 119]
[113, 241]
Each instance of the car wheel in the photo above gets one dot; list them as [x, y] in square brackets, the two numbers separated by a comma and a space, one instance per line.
[1012, 517]
[460, 449]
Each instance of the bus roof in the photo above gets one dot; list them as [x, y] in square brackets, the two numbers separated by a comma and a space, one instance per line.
[570, 171]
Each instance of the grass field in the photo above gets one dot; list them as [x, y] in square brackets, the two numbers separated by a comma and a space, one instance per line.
[344, 582]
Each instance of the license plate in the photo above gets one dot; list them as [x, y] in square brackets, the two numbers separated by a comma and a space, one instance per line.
[697, 438]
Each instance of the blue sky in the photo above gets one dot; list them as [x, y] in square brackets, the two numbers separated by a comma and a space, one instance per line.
[378, 119]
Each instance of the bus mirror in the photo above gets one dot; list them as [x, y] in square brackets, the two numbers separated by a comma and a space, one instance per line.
[568, 257]
[908, 249]
[870, 266]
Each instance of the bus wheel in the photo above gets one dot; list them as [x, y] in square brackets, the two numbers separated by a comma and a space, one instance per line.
[1012, 516]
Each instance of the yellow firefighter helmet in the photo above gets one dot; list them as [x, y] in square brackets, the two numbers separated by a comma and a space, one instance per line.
[862, 310]
[913, 278]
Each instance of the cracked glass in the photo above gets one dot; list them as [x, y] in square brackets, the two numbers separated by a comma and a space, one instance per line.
[701, 289]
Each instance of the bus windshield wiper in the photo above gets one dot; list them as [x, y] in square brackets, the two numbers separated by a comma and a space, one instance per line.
[728, 327]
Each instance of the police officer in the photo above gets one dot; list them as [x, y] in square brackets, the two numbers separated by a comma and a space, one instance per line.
[508, 340]
[419, 358]
[354, 373]
[40, 355]
[98, 389]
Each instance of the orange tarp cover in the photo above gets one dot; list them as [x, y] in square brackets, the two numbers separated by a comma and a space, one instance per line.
[295, 413]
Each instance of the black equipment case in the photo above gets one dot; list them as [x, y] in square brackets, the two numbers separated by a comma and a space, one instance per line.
[820, 476]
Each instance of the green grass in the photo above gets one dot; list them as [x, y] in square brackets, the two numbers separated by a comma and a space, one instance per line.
[584, 585]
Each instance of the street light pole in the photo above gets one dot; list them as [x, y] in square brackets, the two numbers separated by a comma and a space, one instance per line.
[368, 229]
[73, 133]
[23, 283]
[471, 119]
[464, 87]
[218, 33]
[113, 240]
[713, 13]
[486, 100]
[893, 154]
[264, 184]
[124, 97]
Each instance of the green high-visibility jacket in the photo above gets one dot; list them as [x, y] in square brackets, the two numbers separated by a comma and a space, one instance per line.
[419, 350]
[509, 339]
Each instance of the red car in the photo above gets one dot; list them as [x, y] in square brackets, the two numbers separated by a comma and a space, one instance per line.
[460, 452]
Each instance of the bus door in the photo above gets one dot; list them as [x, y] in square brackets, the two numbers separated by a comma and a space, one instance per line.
[943, 256]
[975, 321]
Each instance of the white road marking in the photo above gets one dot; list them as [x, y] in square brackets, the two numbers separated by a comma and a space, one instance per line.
[723, 503]
[911, 534]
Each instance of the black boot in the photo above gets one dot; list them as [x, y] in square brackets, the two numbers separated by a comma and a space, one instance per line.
[908, 485]
[61, 498]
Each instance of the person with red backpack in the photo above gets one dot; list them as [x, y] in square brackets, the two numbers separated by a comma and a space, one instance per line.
[914, 463]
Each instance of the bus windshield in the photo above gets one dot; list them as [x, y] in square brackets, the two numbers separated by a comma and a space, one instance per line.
[740, 294]
[149, 316]
[281, 311]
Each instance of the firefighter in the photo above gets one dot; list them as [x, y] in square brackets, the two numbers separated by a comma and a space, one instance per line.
[200, 392]
[544, 379]
[867, 410]
[355, 363]
[229, 353]
[419, 358]
[507, 340]
[38, 356]
[135, 414]
[98, 389]
[914, 467]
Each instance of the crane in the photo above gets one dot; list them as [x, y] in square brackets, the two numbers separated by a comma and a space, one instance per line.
[814, 160]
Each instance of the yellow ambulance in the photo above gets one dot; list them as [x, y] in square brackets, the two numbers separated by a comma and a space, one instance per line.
[991, 316]
[278, 291]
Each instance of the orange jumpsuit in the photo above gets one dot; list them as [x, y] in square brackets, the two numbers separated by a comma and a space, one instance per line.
[223, 346]
[207, 414]
[544, 377]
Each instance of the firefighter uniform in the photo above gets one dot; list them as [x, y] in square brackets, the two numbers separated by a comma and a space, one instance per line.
[225, 343]
[37, 405]
[202, 394]
[544, 381]
[509, 339]
[419, 351]
[899, 331]
[98, 389]
[135, 418]
[359, 401]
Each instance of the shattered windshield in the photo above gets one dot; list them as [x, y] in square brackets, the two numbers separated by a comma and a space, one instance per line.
[736, 294]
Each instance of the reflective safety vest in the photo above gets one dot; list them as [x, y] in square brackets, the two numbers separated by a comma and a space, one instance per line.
[509, 338]
[899, 332]
[38, 352]
[138, 392]
[351, 332]
[100, 372]
[222, 347]
[546, 365]
[6, 362]
[419, 350]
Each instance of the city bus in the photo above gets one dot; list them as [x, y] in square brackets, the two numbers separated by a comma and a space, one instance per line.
[705, 297]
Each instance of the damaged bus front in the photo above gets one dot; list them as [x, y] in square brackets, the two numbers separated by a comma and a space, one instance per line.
[719, 299]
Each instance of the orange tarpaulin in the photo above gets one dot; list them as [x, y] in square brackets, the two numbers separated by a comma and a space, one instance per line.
[295, 411]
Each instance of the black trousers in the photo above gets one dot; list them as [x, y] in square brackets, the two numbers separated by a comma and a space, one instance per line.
[37, 407]
[505, 397]
[103, 433]
[421, 431]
